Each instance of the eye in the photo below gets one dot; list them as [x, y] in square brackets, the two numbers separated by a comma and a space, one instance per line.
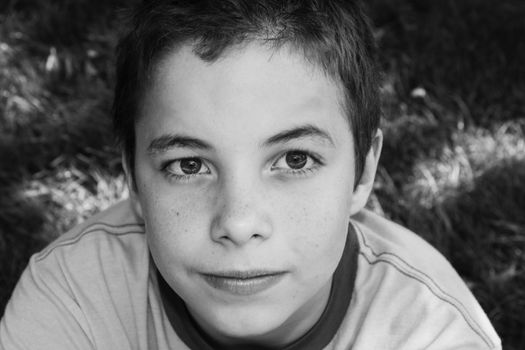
[186, 167]
[296, 162]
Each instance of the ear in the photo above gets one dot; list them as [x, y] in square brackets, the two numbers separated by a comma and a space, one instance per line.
[364, 187]
[132, 187]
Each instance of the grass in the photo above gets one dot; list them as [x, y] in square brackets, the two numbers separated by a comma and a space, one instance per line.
[452, 170]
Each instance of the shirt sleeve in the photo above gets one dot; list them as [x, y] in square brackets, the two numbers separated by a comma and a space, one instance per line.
[42, 312]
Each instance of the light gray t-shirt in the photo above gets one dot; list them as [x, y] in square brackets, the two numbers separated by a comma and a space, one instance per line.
[95, 287]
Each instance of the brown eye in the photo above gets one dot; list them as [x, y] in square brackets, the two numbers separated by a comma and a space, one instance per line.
[297, 163]
[190, 166]
[296, 159]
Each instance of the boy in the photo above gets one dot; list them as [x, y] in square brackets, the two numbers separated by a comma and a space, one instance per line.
[250, 138]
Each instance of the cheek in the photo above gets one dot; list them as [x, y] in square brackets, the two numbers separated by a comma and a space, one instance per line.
[319, 220]
[175, 224]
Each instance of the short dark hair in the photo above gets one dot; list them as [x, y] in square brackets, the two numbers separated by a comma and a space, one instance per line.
[334, 35]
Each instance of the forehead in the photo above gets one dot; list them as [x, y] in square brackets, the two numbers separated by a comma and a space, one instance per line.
[246, 87]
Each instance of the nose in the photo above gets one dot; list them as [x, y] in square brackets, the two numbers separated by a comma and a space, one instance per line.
[241, 216]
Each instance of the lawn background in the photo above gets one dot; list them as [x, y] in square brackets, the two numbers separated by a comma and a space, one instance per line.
[452, 169]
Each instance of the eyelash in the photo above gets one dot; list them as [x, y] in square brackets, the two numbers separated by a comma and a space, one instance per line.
[317, 163]
[176, 177]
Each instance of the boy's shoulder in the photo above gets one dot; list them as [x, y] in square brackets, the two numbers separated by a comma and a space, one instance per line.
[383, 240]
[406, 288]
[115, 224]
[98, 253]
[92, 283]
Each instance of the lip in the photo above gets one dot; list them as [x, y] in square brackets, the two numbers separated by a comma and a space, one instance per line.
[243, 283]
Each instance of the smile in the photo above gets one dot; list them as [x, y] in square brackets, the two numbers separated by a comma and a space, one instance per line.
[243, 283]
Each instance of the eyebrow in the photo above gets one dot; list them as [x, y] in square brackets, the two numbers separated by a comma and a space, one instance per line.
[305, 131]
[166, 142]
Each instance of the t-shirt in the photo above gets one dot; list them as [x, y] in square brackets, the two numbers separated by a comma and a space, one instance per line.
[96, 287]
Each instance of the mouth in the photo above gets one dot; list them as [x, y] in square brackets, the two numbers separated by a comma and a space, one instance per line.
[243, 283]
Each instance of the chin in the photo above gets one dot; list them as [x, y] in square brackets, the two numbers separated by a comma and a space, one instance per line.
[247, 326]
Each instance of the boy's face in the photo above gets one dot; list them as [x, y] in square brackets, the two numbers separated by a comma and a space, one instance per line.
[245, 177]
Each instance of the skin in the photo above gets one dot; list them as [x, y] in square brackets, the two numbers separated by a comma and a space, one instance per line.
[246, 208]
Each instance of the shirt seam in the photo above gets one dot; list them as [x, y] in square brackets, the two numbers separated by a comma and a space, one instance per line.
[418, 275]
[93, 228]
